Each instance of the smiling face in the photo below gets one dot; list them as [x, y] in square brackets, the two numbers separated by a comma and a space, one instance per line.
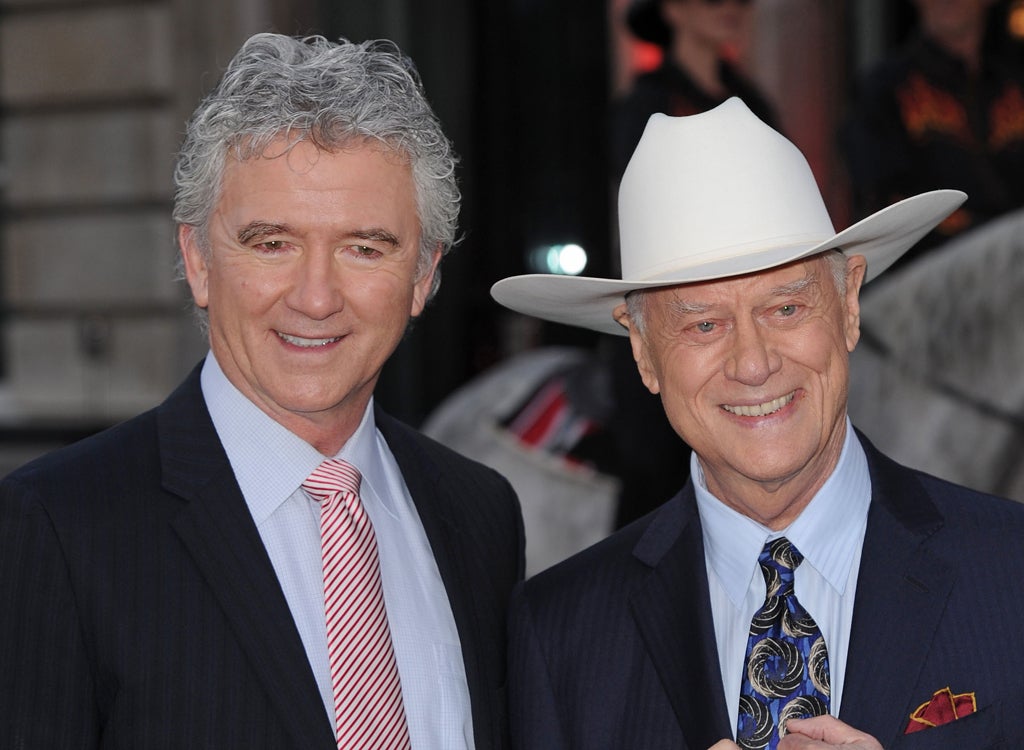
[310, 280]
[753, 375]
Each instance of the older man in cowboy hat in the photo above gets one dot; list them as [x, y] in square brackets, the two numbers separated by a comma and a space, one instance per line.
[802, 590]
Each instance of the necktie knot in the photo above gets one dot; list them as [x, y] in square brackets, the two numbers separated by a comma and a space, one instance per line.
[778, 560]
[332, 479]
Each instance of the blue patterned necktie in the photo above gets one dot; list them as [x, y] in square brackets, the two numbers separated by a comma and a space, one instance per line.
[785, 675]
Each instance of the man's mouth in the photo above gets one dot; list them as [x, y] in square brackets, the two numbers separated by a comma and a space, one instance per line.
[307, 343]
[760, 410]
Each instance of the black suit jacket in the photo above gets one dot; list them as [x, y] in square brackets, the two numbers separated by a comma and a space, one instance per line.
[615, 648]
[139, 608]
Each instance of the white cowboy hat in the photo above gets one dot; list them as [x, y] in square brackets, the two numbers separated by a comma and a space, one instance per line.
[714, 195]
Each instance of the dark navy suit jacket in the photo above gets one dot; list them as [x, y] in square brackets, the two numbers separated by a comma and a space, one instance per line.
[615, 648]
[139, 609]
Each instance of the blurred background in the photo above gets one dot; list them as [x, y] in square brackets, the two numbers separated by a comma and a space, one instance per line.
[94, 93]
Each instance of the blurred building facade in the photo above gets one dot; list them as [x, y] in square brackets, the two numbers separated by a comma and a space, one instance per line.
[91, 100]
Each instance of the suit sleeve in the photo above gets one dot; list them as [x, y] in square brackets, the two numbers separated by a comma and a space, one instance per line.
[533, 714]
[47, 695]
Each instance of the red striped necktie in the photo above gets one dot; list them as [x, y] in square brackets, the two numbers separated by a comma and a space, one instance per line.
[367, 692]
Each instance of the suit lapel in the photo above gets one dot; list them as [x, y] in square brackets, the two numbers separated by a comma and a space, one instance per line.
[902, 590]
[218, 531]
[672, 610]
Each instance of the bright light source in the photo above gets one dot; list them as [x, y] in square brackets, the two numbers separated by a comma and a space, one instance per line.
[565, 260]
[572, 259]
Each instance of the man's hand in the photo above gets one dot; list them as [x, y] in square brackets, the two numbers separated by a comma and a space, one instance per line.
[820, 733]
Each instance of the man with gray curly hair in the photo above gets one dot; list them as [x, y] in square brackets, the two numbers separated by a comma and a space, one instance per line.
[268, 560]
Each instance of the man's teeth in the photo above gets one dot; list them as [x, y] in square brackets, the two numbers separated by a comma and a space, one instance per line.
[760, 410]
[308, 343]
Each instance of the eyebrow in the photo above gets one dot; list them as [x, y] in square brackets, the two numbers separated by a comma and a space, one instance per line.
[682, 307]
[256, 230]
[794, 287]
[377, 235]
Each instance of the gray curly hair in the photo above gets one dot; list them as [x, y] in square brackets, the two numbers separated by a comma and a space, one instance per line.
[309, 88]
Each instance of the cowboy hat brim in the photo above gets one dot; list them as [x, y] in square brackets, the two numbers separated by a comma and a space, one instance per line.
[588, 302]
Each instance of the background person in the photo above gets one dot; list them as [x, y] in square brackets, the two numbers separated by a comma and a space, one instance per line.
[697, 38]
[945, 110]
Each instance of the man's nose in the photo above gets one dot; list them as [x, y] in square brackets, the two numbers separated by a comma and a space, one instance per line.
[753, 358]
[316, 289]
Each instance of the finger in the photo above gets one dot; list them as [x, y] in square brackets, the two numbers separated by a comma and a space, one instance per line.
[817, 728]
[829, 730]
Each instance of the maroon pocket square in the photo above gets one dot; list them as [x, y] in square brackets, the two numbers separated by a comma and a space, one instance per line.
[943, 707]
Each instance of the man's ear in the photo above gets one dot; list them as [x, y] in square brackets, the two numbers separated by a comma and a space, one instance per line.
[196, 265]
[640, 349]
[856, 268]
[423, 285]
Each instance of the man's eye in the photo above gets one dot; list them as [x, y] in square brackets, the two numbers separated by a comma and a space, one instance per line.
[365, 251]
[705, 326]
[787, 310]
[271, 246]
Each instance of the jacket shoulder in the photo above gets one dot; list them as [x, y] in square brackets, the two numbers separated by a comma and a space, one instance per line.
[610, 569]
[408, 443]
[124, 445]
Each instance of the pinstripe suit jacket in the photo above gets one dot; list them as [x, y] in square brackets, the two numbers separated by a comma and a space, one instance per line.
[139, 608]
[615, 648]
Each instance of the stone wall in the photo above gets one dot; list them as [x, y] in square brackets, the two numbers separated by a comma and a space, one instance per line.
[93, 96]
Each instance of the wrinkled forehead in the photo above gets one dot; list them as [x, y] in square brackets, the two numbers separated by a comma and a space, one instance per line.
[799, 277]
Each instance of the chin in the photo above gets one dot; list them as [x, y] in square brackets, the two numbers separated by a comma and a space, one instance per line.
[772, 468]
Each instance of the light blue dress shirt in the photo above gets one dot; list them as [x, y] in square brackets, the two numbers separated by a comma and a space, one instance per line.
[829, 533]
[270, 463]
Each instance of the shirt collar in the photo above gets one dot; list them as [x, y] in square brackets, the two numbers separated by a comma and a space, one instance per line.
[827, 532]
[366, 450]
[270, 462]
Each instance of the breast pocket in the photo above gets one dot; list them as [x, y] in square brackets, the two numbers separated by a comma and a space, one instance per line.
[982, 730]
